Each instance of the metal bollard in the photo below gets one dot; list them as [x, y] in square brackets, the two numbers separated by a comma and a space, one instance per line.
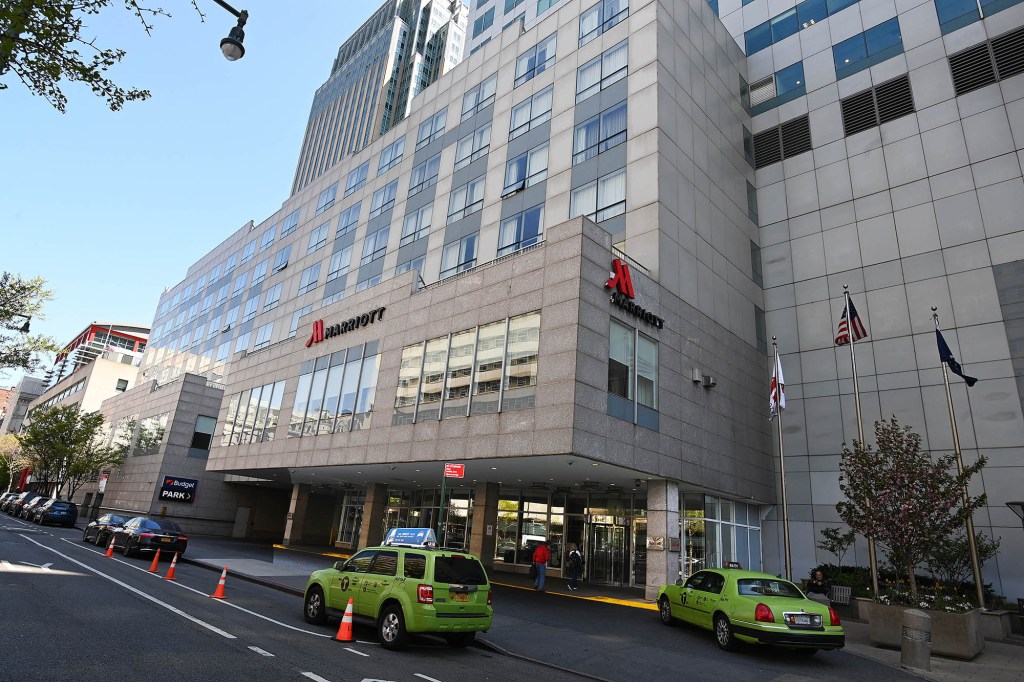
[916, 642]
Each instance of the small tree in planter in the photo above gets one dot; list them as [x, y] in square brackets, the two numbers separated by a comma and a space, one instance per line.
[949, 561]
[836, 542]
[902, 497]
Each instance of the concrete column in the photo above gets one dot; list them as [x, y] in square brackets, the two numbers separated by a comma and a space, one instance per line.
[485, 520]
[296, 518]
[663, 523]
[371, 530]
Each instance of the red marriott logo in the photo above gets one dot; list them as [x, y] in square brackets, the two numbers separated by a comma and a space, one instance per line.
[620, 279]
[322, 331]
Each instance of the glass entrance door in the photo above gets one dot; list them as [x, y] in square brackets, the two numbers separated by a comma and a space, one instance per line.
[607, 555]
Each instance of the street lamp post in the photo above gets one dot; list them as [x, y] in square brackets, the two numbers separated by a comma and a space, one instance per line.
[23, 328]
[232, 45]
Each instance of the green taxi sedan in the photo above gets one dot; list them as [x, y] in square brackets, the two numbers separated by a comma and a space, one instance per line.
[751, 607]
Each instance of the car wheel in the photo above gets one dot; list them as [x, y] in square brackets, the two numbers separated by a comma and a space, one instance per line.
[460, 640]
[391, 628]
[315, 610]
[85, 536]
[723, 633]
[665, 610]
[98, 540]
[127, 548]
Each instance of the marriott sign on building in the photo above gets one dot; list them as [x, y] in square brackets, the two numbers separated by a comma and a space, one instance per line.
[582, 235]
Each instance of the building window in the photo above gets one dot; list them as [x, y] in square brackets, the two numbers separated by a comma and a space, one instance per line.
[391, 156]
[230, 318]
[318, 238]
[511, 5]
[268, 239]
[755, 264]
[601, 17]
[242, 342]
[240, 284]
[760, 329]
[150, 435]
[232, 261]
[289, 224]
[473, 146]
[207, 303]
[308, 280]
[384, 198]
[375, 245]
[621, 340]
[202, 436]
[248, 251]
[122, 385]
[251, 306]
[416, 225]
[601, 199]
[223, 351]
[458, 256]
[263, 335]
[479, 97]
[214, 327]
[787, 23]
[357, 178]
[424, 175]
[197, 335]
[432, 128]
[534, 61]
[602, 71]
[954, 14]
[273, 297]
[326, 199]
[193, 310]
[335, 393]
[783, 86]
[371, 281]
[296, 316]
[530, 113]
[483, 22]
[752, 202]
[281, 258]
[600, 133]
[259, 273]
[414, 264]
[544, 5]
[521, 230]
[466, 199]
[348, 219]
[748, 146]
[526, 170]
[867, 49]
[339, 264]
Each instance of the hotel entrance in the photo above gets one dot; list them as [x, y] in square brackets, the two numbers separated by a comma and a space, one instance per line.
[616, 551]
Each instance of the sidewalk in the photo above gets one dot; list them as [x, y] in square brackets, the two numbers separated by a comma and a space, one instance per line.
[288, 569]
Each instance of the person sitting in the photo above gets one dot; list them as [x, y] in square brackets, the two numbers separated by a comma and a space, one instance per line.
[818, 587]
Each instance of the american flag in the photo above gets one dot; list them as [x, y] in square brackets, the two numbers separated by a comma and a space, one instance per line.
[848, 321]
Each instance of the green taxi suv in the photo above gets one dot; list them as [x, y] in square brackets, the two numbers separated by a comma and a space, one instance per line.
[751, 607]
[406, 585]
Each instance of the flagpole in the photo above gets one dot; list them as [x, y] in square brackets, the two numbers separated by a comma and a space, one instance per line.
[782, 466]
[872, 557]
[979, 586]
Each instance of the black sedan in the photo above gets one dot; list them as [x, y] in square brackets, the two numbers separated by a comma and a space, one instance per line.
[15, 506]
[143, 534]
[56, 511]
[99, 531]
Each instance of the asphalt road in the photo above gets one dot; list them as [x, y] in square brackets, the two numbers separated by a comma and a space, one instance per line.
[69, 613]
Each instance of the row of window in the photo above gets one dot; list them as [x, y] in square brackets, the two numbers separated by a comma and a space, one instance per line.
[781, 26]
[253, 415]
[954, 14]
[335, 392]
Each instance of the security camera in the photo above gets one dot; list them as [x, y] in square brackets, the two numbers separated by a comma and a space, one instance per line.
[637, 483]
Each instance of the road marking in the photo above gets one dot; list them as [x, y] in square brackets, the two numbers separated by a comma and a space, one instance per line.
[360, 653]
[261, 652]
[45, 567]
[315, 677]
[200, 592]
[186, 616]
[429, 679]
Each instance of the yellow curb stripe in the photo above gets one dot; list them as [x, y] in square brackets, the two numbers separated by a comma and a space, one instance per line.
[304, 551]
[606, 600]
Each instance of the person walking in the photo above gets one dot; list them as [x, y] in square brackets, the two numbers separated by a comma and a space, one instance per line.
[575, 565]
[541, 555]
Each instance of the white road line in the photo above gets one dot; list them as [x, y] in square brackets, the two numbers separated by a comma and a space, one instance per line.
[315, 677]
[211, 628]
[359, 653]
[221, 601]
[429, 679]
[261, 652]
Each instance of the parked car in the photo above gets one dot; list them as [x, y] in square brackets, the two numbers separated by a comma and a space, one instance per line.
[99, 531]
[394, 586]
[29, 508]
[7, 497]
[14, 506]
[56, 511]
[143, 534]
[752, 607]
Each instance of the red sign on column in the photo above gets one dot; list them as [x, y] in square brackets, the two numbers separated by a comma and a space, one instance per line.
[454, 470]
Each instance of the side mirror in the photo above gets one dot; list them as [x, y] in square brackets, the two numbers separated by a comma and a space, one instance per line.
[679, 582]
[340, 565]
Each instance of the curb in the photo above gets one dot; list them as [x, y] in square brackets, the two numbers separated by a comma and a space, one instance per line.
[263, 582]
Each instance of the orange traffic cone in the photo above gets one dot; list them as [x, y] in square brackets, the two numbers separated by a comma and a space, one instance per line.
[110, 549]
[219, 592]
[156, 562]
[170, 571]
[345, 629]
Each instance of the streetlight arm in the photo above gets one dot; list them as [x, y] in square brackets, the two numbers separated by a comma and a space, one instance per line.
[242, 16]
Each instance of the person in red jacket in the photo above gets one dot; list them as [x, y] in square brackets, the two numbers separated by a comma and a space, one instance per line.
[541, 555]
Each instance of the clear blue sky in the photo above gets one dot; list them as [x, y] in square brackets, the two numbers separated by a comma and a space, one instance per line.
[112, 207]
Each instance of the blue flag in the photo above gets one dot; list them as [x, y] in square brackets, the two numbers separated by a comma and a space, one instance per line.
[946, 356]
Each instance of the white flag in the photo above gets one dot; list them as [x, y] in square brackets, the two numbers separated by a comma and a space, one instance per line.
[777, 394]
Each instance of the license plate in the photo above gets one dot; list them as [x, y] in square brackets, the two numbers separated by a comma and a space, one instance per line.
[166, 539]
[460, 596]
[802, 619]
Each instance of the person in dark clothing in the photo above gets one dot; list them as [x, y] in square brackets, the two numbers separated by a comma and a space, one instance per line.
[541, 555]
[575, 566]
[818, 586]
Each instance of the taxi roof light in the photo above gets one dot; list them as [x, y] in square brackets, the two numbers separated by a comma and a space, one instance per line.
[410, 537]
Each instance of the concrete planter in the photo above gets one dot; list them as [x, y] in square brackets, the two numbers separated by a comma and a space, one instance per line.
[955, 635]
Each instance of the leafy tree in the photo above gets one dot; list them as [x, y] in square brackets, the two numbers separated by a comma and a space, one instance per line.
[902, 497]
[64, 447]
[42, 44]
[834, 541]
[949, 561]
[12, 460]
[20, 299]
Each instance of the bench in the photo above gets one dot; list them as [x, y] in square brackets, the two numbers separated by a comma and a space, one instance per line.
[839, 595]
